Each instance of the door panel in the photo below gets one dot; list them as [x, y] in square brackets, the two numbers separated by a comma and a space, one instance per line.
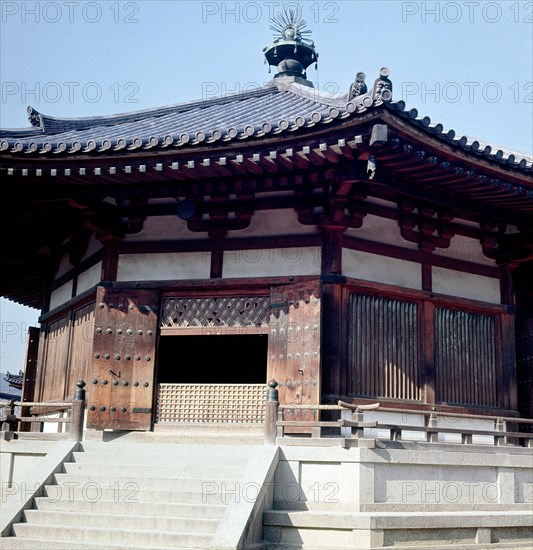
[121, 386]
[294, 345]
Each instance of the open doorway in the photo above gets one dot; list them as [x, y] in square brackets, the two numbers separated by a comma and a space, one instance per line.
[221, 359]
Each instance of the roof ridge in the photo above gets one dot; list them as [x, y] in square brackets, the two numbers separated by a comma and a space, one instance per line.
[314, 94]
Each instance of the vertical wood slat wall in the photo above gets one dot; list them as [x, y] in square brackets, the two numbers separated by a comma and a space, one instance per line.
[385, 353]
[465, 358]
[420, 350]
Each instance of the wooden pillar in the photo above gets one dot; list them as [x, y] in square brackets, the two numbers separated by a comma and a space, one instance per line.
[427, 277]
[333, 359]
[427, 329]
[523, 283]
[332, 250]
[217, 235]
[506, 284]
[30, 375]
[509, 362]
[110, 258]
[334, 379]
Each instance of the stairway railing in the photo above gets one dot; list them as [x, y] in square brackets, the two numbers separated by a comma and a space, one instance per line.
[11, 417]
[352, 424]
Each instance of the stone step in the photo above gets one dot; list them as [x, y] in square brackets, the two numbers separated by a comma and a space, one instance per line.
[148, 521]
[117, 536]
[167, 459]
[397, 520]
[422, 546]
[92, 493]
[134, 483]
[335, 530]
[25, 543]
[155, 472]
[186, 433]
[66, 504]
[162, 448]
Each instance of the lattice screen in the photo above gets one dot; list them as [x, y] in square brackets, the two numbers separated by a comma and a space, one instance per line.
[240, 311]
[211, 403]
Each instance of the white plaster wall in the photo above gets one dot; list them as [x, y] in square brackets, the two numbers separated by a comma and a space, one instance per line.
[64, 267]
[397, 419]
[272, 262]
[381, 230]
[93, 246]
[52, 427]
[89, 278]
[466, 249]
[165, 228]
[402, 418]
[466, 285]
[380, 269]
[272, 223]
[472, 423]
[61, 295]
[164, 267]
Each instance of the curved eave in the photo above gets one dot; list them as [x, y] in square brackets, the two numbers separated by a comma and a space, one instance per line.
[515, 160]
[280, 109]
[310, 119]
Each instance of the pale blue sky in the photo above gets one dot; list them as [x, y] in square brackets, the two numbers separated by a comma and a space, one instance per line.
[466, 64]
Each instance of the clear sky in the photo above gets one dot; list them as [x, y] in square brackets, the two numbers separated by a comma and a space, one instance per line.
[467, 65]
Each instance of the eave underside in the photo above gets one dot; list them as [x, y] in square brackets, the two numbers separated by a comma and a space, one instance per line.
[56, 203]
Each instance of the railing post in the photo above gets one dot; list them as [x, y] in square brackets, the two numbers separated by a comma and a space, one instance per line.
[499, 440]
[432, 436]
[358, 416]
[78, 412]
[271, 413]
[10, 423]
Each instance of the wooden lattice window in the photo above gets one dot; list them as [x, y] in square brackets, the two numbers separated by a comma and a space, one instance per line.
[465, 358]
[384, 348]
[217, 403]
[239, 311]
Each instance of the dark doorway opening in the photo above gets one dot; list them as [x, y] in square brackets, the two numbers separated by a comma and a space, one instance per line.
[212, 359]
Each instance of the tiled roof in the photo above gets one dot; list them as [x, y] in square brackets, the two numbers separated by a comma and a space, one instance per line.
[7, 389]
[278, 107]
[270, 109]
[485, 149]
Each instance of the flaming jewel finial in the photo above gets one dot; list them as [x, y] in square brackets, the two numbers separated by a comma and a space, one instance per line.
[290, 25]
[291, 52]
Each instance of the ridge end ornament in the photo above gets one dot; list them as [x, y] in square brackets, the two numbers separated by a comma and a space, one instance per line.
[382, 89]
[358, 87]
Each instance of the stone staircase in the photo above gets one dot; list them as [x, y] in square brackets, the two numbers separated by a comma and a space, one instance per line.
[130, 495]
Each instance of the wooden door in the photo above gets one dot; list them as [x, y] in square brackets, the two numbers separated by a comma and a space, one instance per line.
[294, 345]
[121, 388]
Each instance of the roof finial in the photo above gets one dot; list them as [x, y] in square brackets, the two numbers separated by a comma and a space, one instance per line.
[291, 51]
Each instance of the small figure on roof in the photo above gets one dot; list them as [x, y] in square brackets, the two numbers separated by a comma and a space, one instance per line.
[382, 90]
[358, 87]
